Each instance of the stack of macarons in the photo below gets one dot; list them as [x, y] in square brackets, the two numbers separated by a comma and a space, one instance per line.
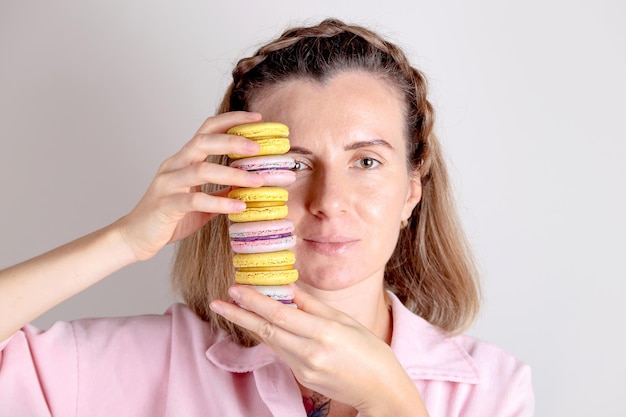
[261, 236]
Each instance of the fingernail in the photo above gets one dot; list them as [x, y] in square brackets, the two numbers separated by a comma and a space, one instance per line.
[257, 178]
[216, 307]
[252, 146]
[234, 293]
[239, 206]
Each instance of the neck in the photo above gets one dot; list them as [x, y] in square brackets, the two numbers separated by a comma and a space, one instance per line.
[369, 306]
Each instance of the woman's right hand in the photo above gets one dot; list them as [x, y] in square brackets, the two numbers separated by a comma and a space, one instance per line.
[174, 207]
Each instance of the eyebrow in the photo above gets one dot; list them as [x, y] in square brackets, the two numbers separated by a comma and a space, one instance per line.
[351, 147]
[367, 143]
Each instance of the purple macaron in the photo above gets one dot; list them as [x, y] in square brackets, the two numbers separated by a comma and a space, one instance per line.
[262, 236]
[276, 169]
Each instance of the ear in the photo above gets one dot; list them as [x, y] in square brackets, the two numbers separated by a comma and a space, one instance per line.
[414, 195]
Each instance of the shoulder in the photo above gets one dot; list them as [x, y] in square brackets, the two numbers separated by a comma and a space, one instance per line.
[147, 333]
[118, 337]
[460, 372]
[90, 363]
[107, 331]
[494, 365]
[475, 358]
[490, 358]
[505, 381]
[113, 340]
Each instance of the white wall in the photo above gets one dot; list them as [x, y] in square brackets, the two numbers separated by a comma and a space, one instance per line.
[94, 95]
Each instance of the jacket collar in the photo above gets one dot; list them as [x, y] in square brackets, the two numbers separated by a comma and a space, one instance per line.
[425, 351]
[232, 357]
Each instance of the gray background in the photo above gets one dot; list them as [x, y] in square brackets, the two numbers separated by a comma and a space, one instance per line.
[530, 100]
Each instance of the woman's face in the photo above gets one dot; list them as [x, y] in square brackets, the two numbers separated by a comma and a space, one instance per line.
[353, 187]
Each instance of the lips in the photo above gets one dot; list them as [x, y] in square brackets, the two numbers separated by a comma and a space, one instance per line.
[330, 245]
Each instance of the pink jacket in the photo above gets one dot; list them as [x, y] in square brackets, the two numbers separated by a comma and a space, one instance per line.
[174, 365]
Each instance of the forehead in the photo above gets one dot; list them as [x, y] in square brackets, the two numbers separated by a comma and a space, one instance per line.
[349, 103]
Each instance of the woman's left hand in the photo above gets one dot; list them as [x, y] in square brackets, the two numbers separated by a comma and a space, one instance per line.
[327, 351]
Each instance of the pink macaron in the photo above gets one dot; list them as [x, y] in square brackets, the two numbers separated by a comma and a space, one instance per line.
[262, 236]
[276, 169]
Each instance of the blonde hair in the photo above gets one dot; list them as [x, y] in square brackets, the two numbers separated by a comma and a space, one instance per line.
[431, 270]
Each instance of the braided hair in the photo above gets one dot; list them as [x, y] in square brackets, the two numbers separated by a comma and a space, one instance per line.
[431, 270]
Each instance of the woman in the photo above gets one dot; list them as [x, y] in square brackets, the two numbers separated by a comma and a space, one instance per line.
[386, 282]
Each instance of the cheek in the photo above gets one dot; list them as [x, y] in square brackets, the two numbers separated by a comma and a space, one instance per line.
[295, 200]
[386, 200]
[374, 199]
[377, 204]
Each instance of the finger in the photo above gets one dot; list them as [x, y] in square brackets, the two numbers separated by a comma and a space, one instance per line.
[306, 302]
[279, 339]
[223, 122]
[204, 172]
[183, 203]
[296, 321]
[211, 139]
[203, 145]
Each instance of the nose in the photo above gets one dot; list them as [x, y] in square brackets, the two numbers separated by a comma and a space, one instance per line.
[328, 196]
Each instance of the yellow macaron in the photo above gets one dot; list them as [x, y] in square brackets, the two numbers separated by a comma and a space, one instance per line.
[271, 136]
[269, 268]
[259, 194]
[263, 203]
[260, 130]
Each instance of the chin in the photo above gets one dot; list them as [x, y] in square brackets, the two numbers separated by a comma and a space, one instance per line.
[321, 286]
[331, 279]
